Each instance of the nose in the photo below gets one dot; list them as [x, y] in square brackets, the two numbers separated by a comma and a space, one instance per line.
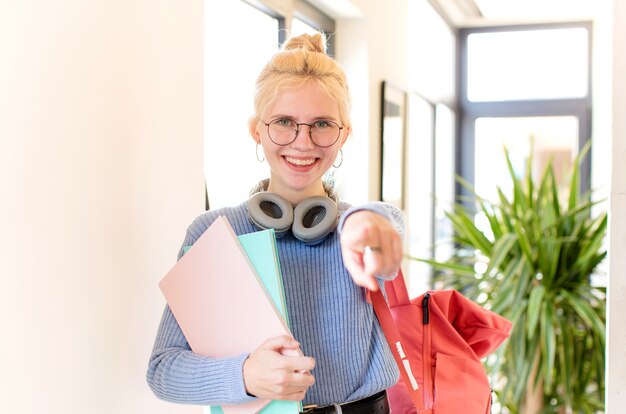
[308, 141]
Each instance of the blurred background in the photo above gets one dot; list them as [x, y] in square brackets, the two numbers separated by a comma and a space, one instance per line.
[121, 120]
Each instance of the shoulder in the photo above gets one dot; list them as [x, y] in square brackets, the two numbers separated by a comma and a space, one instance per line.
[343, 206]
[236, 215]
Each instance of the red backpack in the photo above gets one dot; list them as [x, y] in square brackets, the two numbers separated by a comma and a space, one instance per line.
[438, 340]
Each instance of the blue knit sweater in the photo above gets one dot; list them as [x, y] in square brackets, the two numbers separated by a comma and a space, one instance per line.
[329, 316]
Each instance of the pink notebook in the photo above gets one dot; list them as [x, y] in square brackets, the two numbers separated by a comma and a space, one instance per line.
[219, 301]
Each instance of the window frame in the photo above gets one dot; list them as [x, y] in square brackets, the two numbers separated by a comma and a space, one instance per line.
[314, 17]
[264, 8]
[304, 11]
[469, 111]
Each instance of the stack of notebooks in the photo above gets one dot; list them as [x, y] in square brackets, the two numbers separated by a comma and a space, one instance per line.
[226, 294]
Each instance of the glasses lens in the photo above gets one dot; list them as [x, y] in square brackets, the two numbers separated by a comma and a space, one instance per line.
[324, 133]
[282, 131]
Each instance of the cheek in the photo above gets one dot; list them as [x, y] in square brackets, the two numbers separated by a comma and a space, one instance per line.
[269, 148]
[330, 157]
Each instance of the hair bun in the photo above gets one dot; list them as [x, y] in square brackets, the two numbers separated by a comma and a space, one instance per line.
[312, 43]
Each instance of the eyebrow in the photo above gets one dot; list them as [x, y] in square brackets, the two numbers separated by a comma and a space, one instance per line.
[317, 118]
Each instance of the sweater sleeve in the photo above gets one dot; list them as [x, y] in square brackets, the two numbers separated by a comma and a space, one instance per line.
[177, 374]
[387, 210]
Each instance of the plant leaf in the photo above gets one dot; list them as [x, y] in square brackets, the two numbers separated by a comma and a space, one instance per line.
[586, 313]
[535, 303]
[501, 251]
[548, 342]
[523, 241]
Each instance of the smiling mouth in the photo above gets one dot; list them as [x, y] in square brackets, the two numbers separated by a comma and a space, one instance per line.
[300, 162]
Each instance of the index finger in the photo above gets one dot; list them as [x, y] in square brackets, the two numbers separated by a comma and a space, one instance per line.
[299, 364]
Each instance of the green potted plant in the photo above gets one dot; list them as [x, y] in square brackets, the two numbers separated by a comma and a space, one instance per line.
[533, 265]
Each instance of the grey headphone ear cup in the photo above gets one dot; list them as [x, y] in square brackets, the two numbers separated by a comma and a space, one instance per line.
[314, 219]
[270, 211]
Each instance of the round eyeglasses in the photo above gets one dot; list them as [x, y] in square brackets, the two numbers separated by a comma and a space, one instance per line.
[284, 131]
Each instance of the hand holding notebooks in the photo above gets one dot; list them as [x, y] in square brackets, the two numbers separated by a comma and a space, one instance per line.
[219, 302]
[260, 247]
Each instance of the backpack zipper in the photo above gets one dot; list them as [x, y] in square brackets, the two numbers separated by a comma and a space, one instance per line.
[426, 354]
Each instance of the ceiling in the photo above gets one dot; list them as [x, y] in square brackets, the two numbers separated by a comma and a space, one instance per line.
[467, 13]
[489, 12]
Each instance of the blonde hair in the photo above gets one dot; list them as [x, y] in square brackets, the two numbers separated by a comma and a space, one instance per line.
[302, 59]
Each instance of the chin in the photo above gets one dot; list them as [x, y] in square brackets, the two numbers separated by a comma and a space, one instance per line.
[303, 185]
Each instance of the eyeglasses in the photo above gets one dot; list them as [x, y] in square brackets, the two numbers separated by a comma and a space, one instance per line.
[284, 131]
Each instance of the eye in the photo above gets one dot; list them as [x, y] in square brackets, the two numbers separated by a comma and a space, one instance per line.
[322, 123]
[284, 122]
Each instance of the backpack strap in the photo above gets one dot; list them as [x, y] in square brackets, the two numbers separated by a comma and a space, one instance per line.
[396, 291]
[395, 345]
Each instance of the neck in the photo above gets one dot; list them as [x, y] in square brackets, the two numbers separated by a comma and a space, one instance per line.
[296, 196]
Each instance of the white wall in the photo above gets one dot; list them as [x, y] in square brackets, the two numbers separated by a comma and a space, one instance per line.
[384, 31]
[100, 173]
[616, 336]
[352, 49]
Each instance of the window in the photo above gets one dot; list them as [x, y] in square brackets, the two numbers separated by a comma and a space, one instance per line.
[526, 88]
[445, 155]
[299, 27]
[419, 204]
[432, 47]
[527, 64]
[549, 137]
[430, 140]
[309, 19]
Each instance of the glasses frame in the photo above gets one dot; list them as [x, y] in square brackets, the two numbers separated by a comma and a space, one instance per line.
[297, 131]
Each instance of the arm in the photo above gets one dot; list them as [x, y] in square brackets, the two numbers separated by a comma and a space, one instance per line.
[177, 374]
[371, 242]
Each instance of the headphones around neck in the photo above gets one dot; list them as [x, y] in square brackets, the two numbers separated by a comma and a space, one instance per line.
[310, 221]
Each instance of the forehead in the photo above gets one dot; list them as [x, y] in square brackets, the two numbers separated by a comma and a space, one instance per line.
[306, 101]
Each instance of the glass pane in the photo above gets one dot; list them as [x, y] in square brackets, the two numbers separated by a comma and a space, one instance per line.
[419, 192]
[231, 166]
[553, 138]
[431, 53]
[533, 64]
[392, 146]
[299, 27]
[444, 180]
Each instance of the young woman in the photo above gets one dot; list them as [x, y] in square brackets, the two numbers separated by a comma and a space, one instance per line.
[301, 121]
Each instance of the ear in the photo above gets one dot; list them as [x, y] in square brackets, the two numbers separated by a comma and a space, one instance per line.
[254, 133]
[345, 135]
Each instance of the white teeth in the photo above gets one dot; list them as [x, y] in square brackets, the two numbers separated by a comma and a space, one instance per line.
[300, 162]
